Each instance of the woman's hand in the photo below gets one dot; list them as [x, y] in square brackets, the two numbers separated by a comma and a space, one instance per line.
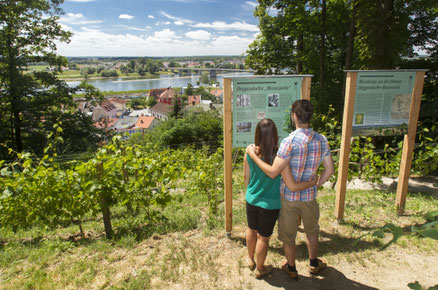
[251, 150]
[315, 180]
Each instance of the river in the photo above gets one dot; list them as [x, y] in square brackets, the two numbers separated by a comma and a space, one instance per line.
[164, 81]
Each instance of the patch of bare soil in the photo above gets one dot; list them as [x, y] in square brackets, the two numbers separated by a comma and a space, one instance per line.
[195, 260]
[428, 185]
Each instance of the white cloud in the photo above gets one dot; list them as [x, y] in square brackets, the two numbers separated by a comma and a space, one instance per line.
[165, 34]
[178, 22]
[176, 18]
[193, 1]
[151, 16]
[125, 16]
[251, 3]
[132, 28]
[220, 25]
[198, 35]
[93, 42]
[77, 19]
[163, 23]
[82, 1]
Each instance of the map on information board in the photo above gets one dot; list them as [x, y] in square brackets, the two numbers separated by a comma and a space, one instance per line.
[383, 99]
[257, 98]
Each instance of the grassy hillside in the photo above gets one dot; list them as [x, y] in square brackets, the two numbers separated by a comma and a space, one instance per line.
[188, 248]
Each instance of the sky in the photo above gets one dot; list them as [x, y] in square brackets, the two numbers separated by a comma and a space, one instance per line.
[158, 27]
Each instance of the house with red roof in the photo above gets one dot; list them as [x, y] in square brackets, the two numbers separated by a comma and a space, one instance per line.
[167, 96]
[106, 123]
[104, 110]
[145, 123]
[156, 93]
[194, 100]
[219, 94]
[120, 104]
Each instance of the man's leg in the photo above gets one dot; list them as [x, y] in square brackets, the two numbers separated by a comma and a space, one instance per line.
[261, 251]
[310, 211]
[312, 245]
[290, 251]
[287, 232]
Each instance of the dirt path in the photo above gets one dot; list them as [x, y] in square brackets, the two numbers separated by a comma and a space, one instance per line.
[194, 260]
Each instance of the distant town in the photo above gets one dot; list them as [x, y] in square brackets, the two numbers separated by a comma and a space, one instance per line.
[129, 112]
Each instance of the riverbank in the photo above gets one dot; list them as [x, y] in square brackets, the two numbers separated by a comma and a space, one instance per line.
[131, 76]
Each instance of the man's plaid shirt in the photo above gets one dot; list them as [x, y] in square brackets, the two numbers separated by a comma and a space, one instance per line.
[306, 149]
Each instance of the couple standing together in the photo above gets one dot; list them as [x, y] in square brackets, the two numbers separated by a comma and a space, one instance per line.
[289, 198]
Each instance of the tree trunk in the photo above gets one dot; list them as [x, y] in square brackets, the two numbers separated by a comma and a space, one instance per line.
[322, 50]
[350, 44]
[350, 41]
[300, 49]
[15, 98]
[382, 43]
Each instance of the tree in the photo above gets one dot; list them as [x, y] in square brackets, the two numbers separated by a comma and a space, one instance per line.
[29, 32]
[189, 89]
[176, 108]
[72, 66]
[173, 64]
[204, 78]
[198, 128]
[205, 95]
[325, 37]
[151, 101]
[108, 73]
[99, 69]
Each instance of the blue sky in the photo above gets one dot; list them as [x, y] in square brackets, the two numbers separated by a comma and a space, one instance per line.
[158, 27]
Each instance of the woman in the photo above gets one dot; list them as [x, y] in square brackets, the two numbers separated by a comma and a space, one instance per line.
[263, 196]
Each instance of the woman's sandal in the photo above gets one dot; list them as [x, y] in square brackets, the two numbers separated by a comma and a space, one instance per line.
[251, 264]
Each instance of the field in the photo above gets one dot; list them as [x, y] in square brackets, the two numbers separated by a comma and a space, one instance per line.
[188, 249]
[74, 75]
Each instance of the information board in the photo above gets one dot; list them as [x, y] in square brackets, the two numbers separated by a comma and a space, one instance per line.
[383, 99]
[380, 99]
[262, 97]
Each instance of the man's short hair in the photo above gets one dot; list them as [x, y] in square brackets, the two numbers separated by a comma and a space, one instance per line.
[304, 111]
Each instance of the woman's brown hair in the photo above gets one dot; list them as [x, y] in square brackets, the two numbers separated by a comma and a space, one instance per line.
[266, 138]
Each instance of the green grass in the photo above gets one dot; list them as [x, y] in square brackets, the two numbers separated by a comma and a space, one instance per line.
[112, 93]
[178, 246]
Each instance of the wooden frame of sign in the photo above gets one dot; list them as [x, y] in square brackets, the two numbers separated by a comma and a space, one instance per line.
[408, 143]
[228, 138]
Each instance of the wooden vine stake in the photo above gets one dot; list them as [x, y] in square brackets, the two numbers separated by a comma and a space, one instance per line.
[104, 205]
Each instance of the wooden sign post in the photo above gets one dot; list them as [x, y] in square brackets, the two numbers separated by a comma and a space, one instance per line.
[228, 140]
[228, 164]
[344, 157]
[374, 83]
[409, 143]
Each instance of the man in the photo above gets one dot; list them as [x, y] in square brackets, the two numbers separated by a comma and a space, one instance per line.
[303, 150]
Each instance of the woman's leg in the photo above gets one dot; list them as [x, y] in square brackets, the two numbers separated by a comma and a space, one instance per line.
[261, 251]
[251, 241]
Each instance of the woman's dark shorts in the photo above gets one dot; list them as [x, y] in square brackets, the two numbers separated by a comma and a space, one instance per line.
[260, 219]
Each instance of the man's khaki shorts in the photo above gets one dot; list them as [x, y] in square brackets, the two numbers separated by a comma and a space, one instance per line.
[288, 219]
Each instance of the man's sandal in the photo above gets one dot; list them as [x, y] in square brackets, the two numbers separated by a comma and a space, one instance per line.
[291, 274]
[322, 264]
